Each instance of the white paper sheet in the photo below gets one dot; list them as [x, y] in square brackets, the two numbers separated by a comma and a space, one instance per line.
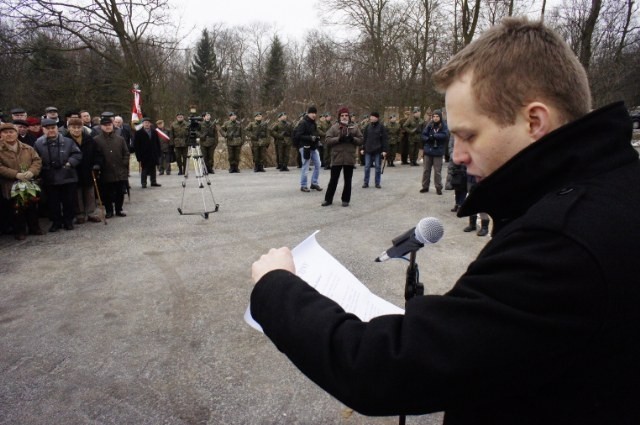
[323, 272]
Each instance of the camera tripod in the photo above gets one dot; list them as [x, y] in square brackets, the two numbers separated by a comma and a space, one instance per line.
[202, 177]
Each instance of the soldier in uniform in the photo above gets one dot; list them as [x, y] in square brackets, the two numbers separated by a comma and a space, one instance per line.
[208, 135]
[393, 131]
[404, 139]
[232, 132]
[326, 158]
[179, 136]
[282, 131]
[258, 132]
[413, 127]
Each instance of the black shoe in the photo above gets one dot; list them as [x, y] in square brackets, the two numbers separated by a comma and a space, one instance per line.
[108, 215]
[284, 168]
[364, 186]
[455, 208]
[423, 190]
[68, 226]
[439, 190]
[304, 189]
[54, 228]
[316, 187]
[161, 173]
[378, 186]
[345, 204]
[326, 203]
[144, 187]
[469, 228]
[121, 214]
[414, 164]
[156, 185]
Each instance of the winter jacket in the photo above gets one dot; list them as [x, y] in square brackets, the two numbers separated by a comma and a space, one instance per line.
[543, 326]
[147, 149]
[435, 138]
[343, 147]
[303, 133]
[12, 163]
[91, 156]
[116, 157]
[376, 139]
[60, 157]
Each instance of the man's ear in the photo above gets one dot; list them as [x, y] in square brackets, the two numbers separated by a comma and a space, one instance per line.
[541, 119]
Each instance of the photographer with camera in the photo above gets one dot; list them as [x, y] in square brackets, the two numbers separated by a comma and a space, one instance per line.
[179, 137]
[306, 138]
[60, 157]
[435, 137]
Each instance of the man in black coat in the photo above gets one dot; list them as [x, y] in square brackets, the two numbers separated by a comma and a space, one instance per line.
[543, 326]
[147, 149]
[89, 168]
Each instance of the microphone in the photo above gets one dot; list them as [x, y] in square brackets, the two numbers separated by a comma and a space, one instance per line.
[428, 231]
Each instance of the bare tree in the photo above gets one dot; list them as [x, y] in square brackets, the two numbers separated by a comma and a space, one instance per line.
[96, 25]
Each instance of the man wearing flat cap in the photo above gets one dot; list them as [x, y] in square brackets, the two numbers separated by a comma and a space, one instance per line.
[23, 132]
[60, 157]
[18, 114]
[51, 113]
[18, 161]
[147, 149]
[115, 171]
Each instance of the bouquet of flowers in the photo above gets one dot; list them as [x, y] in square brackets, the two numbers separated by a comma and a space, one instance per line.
[24, 193]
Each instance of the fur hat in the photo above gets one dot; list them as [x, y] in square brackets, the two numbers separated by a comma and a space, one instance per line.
[74, 121]
[343, 110]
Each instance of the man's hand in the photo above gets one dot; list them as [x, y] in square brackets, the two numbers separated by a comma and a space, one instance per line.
[275, 259]
[28, 175]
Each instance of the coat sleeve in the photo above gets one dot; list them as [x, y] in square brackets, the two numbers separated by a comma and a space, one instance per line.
[510, 325]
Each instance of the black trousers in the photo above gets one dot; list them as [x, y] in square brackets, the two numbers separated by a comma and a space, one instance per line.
[113, 194]
[61, 201]
[333, 183]
[147, 169]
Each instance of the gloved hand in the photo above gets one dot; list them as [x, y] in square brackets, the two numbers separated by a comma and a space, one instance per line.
[431, 139]
[28, 175]
[96, 167]
[342, 139]
[349, 138]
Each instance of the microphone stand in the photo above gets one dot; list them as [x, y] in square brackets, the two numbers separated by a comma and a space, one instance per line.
[413, 288]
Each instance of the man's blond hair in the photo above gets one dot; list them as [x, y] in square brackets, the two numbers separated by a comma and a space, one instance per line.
[515, 63]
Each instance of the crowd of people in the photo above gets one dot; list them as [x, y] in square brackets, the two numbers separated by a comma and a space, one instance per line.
[67, 166]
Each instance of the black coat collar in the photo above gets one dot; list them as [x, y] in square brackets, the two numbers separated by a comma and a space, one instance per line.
[587, 147]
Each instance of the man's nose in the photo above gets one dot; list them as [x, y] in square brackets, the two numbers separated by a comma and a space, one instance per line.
[460, 155]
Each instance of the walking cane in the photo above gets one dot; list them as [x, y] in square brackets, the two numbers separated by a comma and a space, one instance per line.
[100, 204]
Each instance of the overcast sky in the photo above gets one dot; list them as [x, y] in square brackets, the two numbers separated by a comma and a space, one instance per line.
[292, 18]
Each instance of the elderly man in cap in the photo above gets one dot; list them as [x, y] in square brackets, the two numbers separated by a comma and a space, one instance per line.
[148, 152]
[23, 132]
[18, 114]
[88, 169]
[18, 162]
[51, 113]
[60, 157]
[306, 138]
[232, 132]
[179, 136]
[115, 171]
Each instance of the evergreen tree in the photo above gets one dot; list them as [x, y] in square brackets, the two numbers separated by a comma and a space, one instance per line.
[238, 95]
[204, 76]
[274, 84]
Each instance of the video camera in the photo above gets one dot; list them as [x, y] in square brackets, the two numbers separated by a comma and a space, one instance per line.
[194, 128]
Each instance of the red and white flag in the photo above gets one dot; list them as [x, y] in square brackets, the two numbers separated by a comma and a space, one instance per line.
[136, 110]
[162, 135]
